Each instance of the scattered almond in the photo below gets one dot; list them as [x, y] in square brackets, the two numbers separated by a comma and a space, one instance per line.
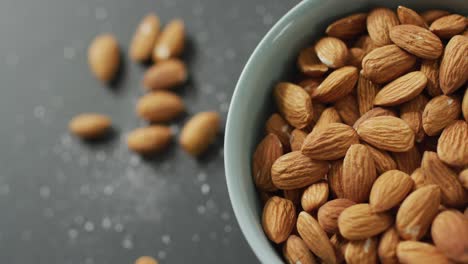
[366, 92]
[146, 260]
[439, 112]
[409, 16]
[90, 125]
[450, 232]
[402, 89]
[431, 69]
[357, 222]
[382, 159]
[389, 190]
[348, 110]
[160, 106]
[453, 144]
[365, 43]
[338, 84]
[411, 113]
[418, 178]
[310, 84]
[309, 64]
[279, 217]
[408, 161]
[374, 112]
[171, 41]
[454, 66]
[267, 152]
[348, 27]
[165, 75]
[199, 132]
[297, 139]
[296, 251]
[433, 14]
[361, 251]
[329, 212]
[278, 126]
[417, 41]
[314, 196]
[332, 52]
[339, 245]
[144, 38]
[104, 57]
[463, 177]
[387, 246]
[335, 178]
[419, 252]
[328, 116]
[448, 26]
[294, 104]
[355, 57]
[379, 22]
[148, 140]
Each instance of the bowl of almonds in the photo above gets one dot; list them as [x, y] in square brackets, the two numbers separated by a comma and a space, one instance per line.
[347, 135]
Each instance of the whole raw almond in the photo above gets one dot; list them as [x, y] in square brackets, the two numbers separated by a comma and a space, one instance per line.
[144, 38]
[348, 27]
[278, 219]
[361, 251]
[90, 125]
[296, 251]
[433, 14]
[309, 64]
[387, 63]
[374, 112]
[419, 252]
[315, 238]
[339, 245]
[146, 260]
[415, 216]
[104, 57]
[297, 139]
[359, 173]
[431, 69]
[411, 113]
[366, 91]
[328, 116]
[278, 126]
[335, 178]
[439, 112]
[337, 85]
[165, 75]
[200, 132]
[160, 106]
[148, 140]
[402, 89]
[171, 41]
[332, 52]
[387, 133]
[382, 159]
[348, 110]
[328, 214]
[408, 161]
[465, 105]
[330, 143]
[463, 178]
[436, 172]
[294, 170]
[417, 41]
[453, 144]
[365, 43]
[315, 196]
[418, 178]
[387, 246]
[379, 22]
[409, 16]
[448, 26]
[359, 222]
[449, 232]
[389, 190]
[453, 72]
[267, 152]
[294, 104]
[355, 57]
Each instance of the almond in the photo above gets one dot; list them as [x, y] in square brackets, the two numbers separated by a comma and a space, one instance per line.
[348, 109]
[418, 178]
[439, 112]
[200, 132]
[146, 260]
[365, 43]
[297, 139]
[310, 84]
[318, 110]
[387, 246]
[339, 245]
[338, 84]
[335, 178]
[419, 252]
[387, 63]
[160, 106]
[144, 38]
[267, 152]
[171, 42]
[329, 212]
[411, 113]
[330, 143]
[387, 133]
[449, 233]
[431, 69]
[328, 116]
[408, 161]
[90, 125]
[296, 251]
[165, 75]
[463, 177]
[448, 26]
[436, 172]
[314, 196]
[366, 91]
[315, 238]
[359, 173]
[414, 216]
[294, 170]
[453, 72]
[465, 105]
[279, 217]
[148, 140]
[358, 222]
[374, 112]
[278, 126]
[361, 251]
[379, 22]
[433, 14]
[382, 160]
[417, 41]
[293, 195]
[309, 64]
[409, 16]
[332, 52]
[348, 27]
[294, 104]
[453, 144]
[104, 57]
[402, 89]
[389, 190]
[355, 57]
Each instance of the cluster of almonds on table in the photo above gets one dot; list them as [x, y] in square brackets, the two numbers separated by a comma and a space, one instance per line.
[366, 160]
[159, 105]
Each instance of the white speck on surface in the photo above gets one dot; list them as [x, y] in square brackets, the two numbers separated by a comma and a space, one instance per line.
[89, 226]
[195, 238]
[449, 101]
[201, 209]
[12, 59]
[108, 190]
[118, 227]
[72, 234]
[367, 245]
[106, 223]
[39, 111]
[69, 53]
[413, 231]
[166, 239]
[201, 177]
[48, 212]
[44, 192]
[162, 52]
[100, 13]
[4, 189]
[298, 262]
[127, 242]
[267, 19]
[225, 216]
[146, 28]
[227, 228]
[162, 254]
[205, 188]
[213, 235]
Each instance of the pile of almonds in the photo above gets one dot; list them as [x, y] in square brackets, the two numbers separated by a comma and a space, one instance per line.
[159, 105]
[366, 160]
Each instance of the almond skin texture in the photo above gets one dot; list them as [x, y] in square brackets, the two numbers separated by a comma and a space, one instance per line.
[294, 104]
[348, 109]
[359, 173]
[453, 144]
[148, 140]
[365, 43]
[355, 57]
[160, 106]
[361, 251]
[331, 52]
[315, 238]
[387, 133]
[408, 161]
[382, 160]
[449, 233]
[278, 126]
[348, 27]
[411, 113]
[366, 91]
[293, 195]
[309, 64]
[465, 105]
[90, 125]
[431, 69]
[279, 217]
[296, 251]
[315, 196]
[433, 14]
[358, 222]
[389, 190]
[439, 112]
[310, 84]
[267, 152]
[330, 143]
[463, 177]
[294, 170]
[328, 116]
[402, 89]
[374, 112]
[453, 71]
[414, 216]
[387, 246]
[339, 245]
[448, 26]
[418, 178]
[419, 253]
[387, 63]
[297, 139]
[409, 16]
[104, 57]
[329, 212]
[417, 41]
[379, 23]
[199, 132]
[171, 41]
[337, 85]
[165, 75]
[335, 178]
[144, 38]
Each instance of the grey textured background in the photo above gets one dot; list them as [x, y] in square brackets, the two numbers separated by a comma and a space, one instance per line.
[62, 201]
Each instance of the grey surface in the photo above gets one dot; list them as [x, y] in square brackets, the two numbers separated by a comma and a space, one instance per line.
[62, 201]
